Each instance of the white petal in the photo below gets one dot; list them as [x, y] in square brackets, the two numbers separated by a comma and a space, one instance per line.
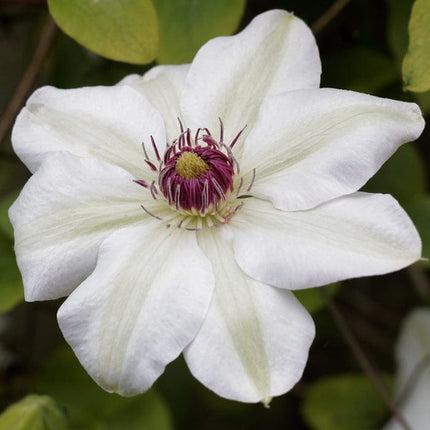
[254, 342]
[144, 302]
[356, 235]
[62, 215]
[413, 373]
[231, 76]
[105, 122]
[163, 86]
[311, 146]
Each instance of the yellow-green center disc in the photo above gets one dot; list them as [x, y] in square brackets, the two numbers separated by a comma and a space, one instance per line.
[190, 165]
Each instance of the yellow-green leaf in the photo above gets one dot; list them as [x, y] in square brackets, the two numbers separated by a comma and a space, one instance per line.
[185, 25]
[33, 413]
[122, 30]
[398, 14]
[416, 64]
[397, 25]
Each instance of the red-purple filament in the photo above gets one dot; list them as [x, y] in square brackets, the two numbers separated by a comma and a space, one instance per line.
[200, 192]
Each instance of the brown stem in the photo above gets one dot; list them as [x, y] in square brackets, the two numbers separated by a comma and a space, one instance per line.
[22, 2]
[327, 16]
[366, 305]
[366, 332]
[48, 36]
[362, 359]
[419, 281]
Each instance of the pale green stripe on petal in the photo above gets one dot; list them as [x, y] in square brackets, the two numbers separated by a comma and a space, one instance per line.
[356, 235]
[109, 123]
[238, 311]
[231, 76]
[67, 208]
[144, 302]
[163, 87]
[310, 146]
[254, 341]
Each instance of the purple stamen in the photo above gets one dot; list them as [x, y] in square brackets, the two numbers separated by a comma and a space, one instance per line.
[205, 188]
[144, 151]
[153, 190]
[150, 213]
[154, 146]
[151, 165]
[196, 175]
[252, 181]
[221, 131]
[181, 126]
[141, 182]
[233, 142]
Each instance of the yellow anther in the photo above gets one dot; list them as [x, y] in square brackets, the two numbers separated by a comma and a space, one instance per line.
[190, 165]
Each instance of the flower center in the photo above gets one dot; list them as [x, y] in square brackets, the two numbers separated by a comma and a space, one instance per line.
[198, 177]
[189, 165]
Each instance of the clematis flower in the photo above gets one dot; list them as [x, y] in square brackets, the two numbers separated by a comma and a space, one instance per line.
[177, 210]
[413, 371]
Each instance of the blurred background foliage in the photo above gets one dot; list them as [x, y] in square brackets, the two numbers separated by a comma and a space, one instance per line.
[42, 386]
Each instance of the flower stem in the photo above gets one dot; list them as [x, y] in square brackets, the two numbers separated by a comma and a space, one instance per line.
[363, 361]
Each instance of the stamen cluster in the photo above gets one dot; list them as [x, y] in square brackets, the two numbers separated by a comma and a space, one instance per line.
[197, 176]
[201, 191]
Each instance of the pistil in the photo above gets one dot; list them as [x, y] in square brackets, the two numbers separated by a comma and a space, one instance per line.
[197, 177]
[189, 165]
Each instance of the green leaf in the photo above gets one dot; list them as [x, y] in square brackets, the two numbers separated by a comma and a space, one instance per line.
[90, 407]
[185, 25]
[359, 69]
[344, 402]
[33, 413]
[71, 64]
[398, 17]
[5, 203]
[7, 169]
[403, 176]
[399, 12]
[11, 290]
[125, 30]
[423, 99]
[7, 173]
[312, 298]
[419, 211]
[416, 64]
[74, 66]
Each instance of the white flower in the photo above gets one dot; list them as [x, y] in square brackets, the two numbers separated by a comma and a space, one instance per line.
[163, 253]
[413, 372]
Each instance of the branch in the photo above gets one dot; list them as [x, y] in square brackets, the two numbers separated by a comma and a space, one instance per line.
[363, 360]
[327, 16]
[49, 34]
[22, 2]
[419, 281]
